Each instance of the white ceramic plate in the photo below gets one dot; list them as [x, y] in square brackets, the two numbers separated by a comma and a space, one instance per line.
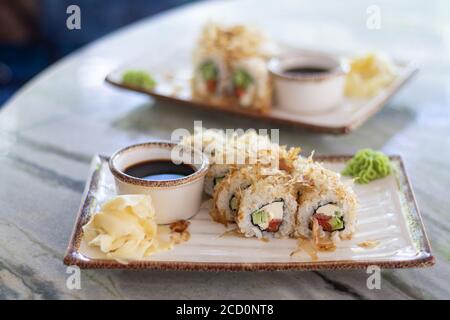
[387, 214]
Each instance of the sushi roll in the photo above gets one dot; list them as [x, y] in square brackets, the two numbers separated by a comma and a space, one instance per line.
[227, 194]
[251, 84]
[326, 207]
[230, 67]
[268, 207]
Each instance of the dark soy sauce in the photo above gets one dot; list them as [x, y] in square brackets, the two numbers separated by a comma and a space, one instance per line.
[159, 170]
[300, 71]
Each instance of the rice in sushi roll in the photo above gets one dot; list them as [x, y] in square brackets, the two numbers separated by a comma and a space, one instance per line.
[251, 83]
[268, 207]
[227, 194]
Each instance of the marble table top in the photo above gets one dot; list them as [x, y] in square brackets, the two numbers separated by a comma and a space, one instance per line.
[52, 127]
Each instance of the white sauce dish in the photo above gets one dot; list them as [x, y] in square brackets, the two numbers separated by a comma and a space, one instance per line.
[307, 83]
[174, 179]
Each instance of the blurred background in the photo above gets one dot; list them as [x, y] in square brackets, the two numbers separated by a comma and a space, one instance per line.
[31, 36]
[33, 33]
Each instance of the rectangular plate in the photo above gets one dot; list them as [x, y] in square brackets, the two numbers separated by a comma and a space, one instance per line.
[173, 75]
[388, 213]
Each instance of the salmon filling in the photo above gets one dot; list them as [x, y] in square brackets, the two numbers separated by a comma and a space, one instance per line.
[329, 217]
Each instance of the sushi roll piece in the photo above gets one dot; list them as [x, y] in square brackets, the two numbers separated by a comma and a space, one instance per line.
[268, 207]
[211, 77]
[228, 192]
[326, 207]
[326, 216]
[251, 84]
[230, 67]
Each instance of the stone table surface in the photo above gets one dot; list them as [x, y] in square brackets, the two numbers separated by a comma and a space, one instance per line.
[54, 125]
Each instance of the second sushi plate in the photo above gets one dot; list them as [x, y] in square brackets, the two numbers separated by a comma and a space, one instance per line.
[173, 76]
[389, 233]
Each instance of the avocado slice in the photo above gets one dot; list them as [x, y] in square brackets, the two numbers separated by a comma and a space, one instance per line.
[241, 79]
[233, 203]
[337, 222]
[209, 71]
[259, 217]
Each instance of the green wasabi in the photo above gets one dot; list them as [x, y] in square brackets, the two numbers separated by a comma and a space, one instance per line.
[139, 79]
[368, 165]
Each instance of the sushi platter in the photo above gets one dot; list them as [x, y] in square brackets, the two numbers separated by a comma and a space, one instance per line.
[388, 216]
[307, 92]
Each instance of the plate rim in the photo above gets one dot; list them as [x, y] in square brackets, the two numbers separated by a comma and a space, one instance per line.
[409, 72]
[73, 257]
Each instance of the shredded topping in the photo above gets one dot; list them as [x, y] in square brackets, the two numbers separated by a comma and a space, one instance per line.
[249, 148]
[321, 243]
[308, 246]
[369, 244]
[233, 42]
[179, 226]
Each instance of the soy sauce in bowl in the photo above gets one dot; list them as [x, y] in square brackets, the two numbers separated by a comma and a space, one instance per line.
[159, 170]
[303, 71]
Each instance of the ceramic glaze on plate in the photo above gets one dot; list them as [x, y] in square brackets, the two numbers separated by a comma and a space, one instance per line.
[173, 76]
[388, 214]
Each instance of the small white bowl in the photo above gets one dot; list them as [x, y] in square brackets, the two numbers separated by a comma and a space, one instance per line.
[307, 93]
[174, 200]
